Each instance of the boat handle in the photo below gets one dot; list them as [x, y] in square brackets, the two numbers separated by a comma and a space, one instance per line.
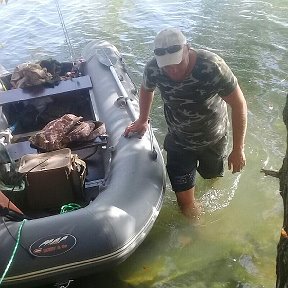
[153, 150]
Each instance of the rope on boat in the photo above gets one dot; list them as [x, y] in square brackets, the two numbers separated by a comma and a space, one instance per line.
[69, 207]
[70, 48]
[64, 209]
[14, 251]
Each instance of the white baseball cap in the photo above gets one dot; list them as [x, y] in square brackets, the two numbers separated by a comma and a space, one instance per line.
[168, 47]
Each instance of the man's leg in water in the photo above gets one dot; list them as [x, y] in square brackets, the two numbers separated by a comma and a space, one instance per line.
[181, 168]
[188, 204]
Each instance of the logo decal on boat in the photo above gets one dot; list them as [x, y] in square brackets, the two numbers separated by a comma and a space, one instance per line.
[52, 245]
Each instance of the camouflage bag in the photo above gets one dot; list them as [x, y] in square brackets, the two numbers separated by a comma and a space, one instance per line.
[65, 131]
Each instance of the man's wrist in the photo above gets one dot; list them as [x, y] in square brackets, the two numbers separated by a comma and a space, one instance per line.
[143, 119]
[238, 148]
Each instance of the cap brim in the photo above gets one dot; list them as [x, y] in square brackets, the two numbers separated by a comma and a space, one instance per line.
[169, 59]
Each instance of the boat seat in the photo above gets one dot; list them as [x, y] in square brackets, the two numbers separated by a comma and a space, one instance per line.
[17, 150]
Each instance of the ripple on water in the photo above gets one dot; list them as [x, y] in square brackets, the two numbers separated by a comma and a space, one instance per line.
[218, 195]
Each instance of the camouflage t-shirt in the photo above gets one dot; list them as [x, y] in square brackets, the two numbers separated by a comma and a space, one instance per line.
[195, 113]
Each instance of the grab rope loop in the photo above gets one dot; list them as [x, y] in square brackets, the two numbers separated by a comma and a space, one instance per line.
[14, 251]
[69, 207]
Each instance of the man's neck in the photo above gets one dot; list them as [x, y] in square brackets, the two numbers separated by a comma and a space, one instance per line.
[192, 61]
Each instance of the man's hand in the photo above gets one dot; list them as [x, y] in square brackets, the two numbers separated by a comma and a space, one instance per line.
[236, 160]
[137, 127]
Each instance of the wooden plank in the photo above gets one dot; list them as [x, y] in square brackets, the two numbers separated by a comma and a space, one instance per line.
[73, 84]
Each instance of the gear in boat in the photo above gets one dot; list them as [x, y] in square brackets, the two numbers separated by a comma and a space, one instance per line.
[26, 118]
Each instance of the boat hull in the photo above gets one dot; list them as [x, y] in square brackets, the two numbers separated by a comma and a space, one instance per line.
[109, 229]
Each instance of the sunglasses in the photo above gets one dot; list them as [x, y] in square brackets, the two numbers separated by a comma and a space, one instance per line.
[170, 50]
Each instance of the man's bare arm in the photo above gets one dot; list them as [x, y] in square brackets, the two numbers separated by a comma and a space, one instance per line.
[237, 102]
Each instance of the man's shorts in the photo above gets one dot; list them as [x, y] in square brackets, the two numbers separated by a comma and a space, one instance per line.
[182, 165]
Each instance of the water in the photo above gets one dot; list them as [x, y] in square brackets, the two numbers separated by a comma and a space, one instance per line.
[236, 244]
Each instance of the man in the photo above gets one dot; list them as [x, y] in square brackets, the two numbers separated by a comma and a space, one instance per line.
[195, 86]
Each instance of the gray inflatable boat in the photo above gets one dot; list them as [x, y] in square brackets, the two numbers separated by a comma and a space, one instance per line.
[124, 185]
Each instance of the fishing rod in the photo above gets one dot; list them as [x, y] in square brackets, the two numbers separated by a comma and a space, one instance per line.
[70, 47]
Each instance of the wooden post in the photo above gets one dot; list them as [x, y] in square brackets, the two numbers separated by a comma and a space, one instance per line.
[282, 247]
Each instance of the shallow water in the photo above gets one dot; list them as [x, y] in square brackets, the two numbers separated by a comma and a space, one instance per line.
[235, 245]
